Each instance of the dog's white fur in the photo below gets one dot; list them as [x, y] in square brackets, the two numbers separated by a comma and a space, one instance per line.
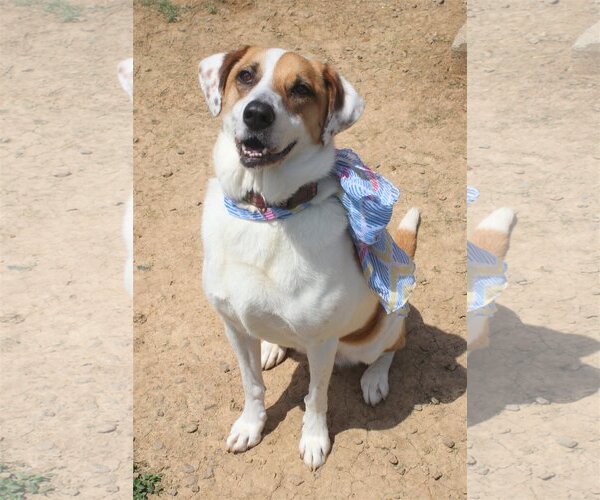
[293, 283]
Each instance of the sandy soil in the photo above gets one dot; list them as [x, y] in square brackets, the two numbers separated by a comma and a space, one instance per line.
[66, 378]
[533, 145]
[187, 387]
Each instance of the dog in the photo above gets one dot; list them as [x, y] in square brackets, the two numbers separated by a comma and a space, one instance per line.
[293, 283]
[492, 235]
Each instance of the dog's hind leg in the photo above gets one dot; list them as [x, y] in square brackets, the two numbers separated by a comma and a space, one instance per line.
[374, 381]
[271, 355]
[246, 432]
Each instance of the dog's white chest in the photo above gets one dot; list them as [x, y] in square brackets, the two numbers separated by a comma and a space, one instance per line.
[286, 282]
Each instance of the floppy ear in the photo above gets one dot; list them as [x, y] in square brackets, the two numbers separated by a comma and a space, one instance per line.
[213, 73]
[345, 105]
[125, 73]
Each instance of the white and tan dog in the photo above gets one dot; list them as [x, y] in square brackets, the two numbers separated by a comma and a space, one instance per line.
[292, 283]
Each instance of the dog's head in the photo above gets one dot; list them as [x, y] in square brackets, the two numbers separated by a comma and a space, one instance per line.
[276, 104]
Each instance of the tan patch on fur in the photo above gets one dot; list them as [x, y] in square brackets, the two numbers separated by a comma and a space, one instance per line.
[401, 341]
[495, 242]
[369, 331]
[314, 110]
[406, 240]
[247, 57]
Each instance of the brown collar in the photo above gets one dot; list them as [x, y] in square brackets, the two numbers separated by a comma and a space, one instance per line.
[303, 195]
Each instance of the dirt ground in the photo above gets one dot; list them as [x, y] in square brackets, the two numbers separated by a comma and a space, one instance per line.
[533, 127]
[187, 387]
[66, 378]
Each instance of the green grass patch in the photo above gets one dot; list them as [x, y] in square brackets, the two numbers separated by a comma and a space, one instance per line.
[62, 9]
[145, 483]
[165, 7]
[15, 485]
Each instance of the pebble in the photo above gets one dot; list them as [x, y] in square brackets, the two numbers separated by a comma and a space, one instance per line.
[358, 441]
[552, 2]
[393, 459]
[208, 473]
[566, 442]
[190, 428]
[448, 442]
[471, 460]
[546, 475]
[158, 445]
[71, 492]
[542, 401]
[106, 428]
[160, 413]
[166, 175]
[86, 152]
[419, 407]
[188, 468]
[439, 2]
[180, 152]
[172, 492]
[505, 431]
[437, 475]
[513, 407]
[179, 380]
[225, 368]
[62, 174]
[483, 471]
[195, 488]
[113, 488]
[434, 401]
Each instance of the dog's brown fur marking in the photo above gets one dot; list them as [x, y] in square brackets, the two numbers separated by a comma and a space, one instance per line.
[367, 332]
[292, 68]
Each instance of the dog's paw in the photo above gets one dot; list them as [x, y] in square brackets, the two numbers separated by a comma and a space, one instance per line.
[245, 433]
[271, 355]
[374, 384]
[314, 447]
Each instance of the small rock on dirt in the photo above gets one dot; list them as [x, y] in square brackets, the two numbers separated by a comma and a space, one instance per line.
[448, 442]
[208, 473]
[393, 459]
[546, 475]
[188, 468]
[542, 401]
[513, 407]
[106, 428]
[566, 442]
[190, 428]
[158, 445]
[70, 492]
[471, 460]
[180, 152]
[86, 152]
[172, 492]
[434, 401]
[295, 480]
[437, 475]
[100, 468]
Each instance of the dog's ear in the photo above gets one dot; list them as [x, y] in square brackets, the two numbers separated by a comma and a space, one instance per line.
[345, 106]
[213, 73]
[125, 74]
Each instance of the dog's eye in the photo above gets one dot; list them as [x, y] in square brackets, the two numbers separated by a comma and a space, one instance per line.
[301, 90]
[246, 77]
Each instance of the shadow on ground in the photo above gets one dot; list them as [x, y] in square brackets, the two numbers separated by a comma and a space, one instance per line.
[426, 368]
[524, 362]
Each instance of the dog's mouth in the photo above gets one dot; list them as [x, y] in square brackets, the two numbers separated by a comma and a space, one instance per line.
[254, 153]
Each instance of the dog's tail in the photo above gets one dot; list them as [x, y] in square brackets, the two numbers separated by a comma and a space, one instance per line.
[493, 232]
[405, 235]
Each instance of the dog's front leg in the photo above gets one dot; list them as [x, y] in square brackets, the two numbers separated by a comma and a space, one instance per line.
[246, 432]
[315, 443]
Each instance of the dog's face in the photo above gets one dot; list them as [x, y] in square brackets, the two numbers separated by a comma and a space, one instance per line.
[276, 104]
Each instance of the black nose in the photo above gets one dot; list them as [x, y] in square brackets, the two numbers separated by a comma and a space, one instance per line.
[258, 115]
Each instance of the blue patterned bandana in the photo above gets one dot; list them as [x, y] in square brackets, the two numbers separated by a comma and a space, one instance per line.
[368, 199]
[486, 274]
